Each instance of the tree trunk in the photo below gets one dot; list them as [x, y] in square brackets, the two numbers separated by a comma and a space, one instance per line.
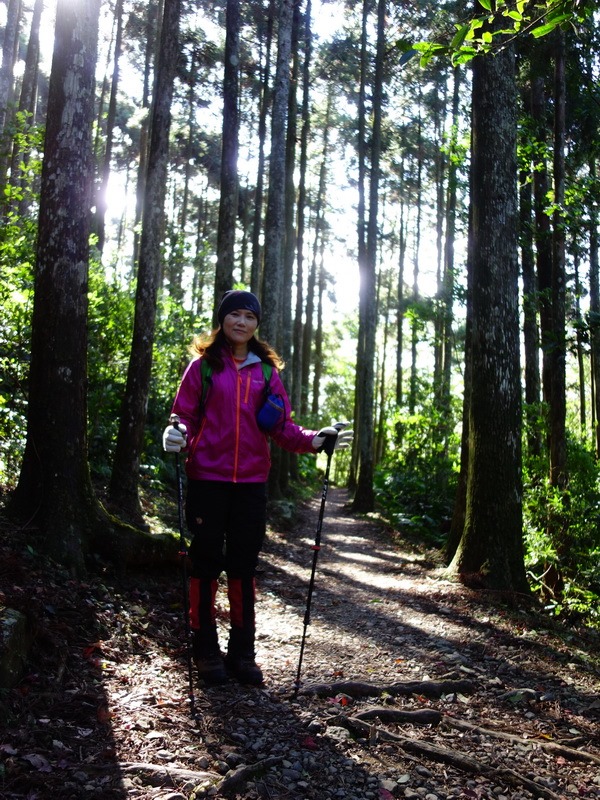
[273, 279]
[558, 405]
[361, 229]
[380, 446]
[101, 195]
[318, 351]
[319, 229]
[459, 512]
[364, 498]
[298, 332]
[10, 49]
[289, 247]
[401, 306]
[580, 342]
[594, 316]
[256, 266]
[414, 336]
[448, 278]
[153, 29]
[531, 342]
[130, 439]
[27, 105]
[229, 157]
[54, 489]
[543, 237]
[491, 546]
[272, 291]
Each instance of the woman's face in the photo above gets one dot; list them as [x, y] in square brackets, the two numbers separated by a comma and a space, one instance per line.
[239, 326]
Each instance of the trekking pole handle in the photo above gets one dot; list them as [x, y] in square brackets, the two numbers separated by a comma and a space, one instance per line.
[339, 426]
[174, 420]
[330, 440]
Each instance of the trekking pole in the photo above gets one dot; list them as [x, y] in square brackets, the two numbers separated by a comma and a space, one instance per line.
[329, 449]
[183, 552]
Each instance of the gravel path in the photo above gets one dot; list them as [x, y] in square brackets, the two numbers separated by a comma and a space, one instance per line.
[499, 704]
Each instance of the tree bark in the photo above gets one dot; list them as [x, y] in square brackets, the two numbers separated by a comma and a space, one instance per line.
[130, 440]
[364, 498]
[229, 157]
[491, 546]
[558, 403]
[594, 315]
[531, 339]
[361, 229]
[54, 489]
[273, 277]
[543, 236]
[10, 48]
[414, 324]
[256, 265]
[448, 278]
[101, 195]
[272, 285]
[27, 105]
[153, 30]
[298, 331]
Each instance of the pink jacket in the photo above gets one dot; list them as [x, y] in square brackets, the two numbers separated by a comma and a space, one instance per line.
[225, 443]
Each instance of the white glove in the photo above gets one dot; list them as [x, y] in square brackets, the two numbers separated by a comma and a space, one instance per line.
[330, 439]
[174, 438]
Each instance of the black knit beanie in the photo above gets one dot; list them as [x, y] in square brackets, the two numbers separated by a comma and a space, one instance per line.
[235, 299]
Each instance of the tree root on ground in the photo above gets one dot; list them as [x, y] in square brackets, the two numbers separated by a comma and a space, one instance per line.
[425, 716]
[555, 748]
[168, 775]
[434, 689]
[413, 747]
[235, 777]
[164, 775]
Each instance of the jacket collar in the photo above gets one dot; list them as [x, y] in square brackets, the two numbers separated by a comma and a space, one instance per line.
[251, 358]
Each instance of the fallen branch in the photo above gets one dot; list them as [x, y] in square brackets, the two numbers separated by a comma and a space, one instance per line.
[426, 716]
[235, 777]
[434, 689]
[167, 775]
[451, 757]
[569, 753]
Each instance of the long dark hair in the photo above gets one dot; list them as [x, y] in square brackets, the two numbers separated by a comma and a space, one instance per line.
[212, 346]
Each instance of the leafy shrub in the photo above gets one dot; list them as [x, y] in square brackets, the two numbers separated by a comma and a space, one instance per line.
[416, 484]
[562, 534]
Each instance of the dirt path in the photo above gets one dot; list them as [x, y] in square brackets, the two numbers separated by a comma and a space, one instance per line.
[411, 687]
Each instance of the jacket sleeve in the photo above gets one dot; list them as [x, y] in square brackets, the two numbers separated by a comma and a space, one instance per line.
[289, 436]
[188, 398]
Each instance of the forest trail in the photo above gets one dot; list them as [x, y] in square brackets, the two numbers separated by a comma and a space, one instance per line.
[412, 686]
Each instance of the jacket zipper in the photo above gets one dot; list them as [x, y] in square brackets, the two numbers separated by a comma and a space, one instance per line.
[237, 427]
[238, 411]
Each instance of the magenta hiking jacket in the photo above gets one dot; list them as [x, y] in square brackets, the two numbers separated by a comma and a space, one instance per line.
[225, 443]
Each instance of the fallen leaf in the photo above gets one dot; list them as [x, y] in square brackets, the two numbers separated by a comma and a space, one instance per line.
[309, 743]
[39, 762]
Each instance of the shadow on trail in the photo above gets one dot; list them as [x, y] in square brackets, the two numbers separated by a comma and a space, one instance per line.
[401, 614]
[120, 693]
[56, 730]
[245, 726]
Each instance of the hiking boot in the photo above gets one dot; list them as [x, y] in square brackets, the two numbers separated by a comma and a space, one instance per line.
[245, 669]
[211, 669]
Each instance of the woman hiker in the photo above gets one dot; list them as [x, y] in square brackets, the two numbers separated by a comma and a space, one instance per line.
[224, 426]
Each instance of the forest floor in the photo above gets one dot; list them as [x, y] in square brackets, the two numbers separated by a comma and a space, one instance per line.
[412, 686]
